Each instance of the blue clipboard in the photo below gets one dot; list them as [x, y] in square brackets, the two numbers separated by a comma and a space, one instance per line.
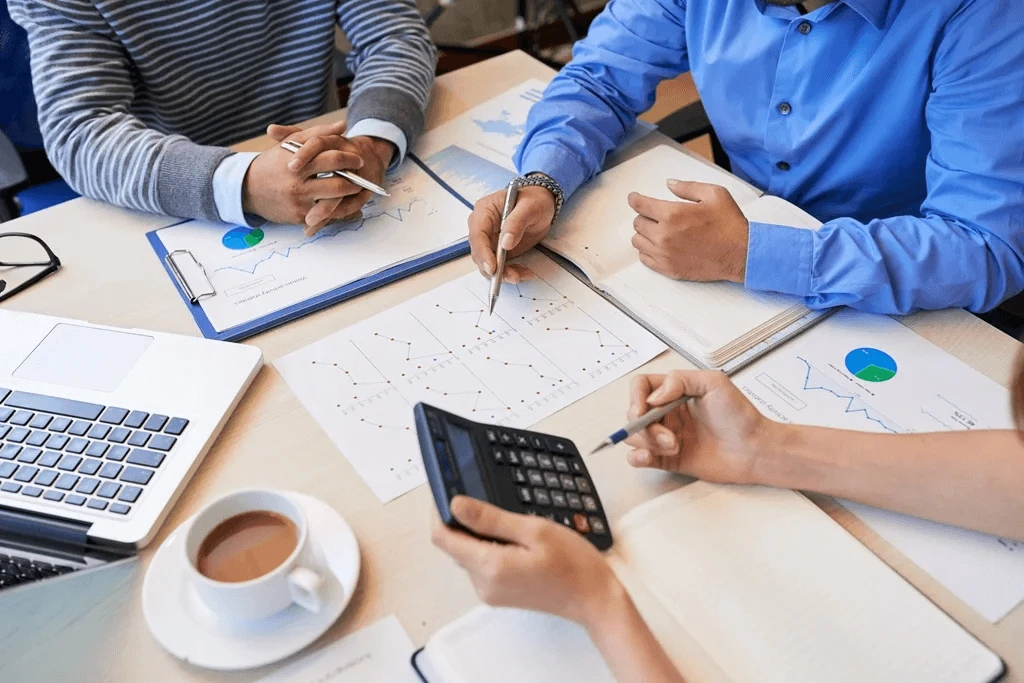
[329, 298]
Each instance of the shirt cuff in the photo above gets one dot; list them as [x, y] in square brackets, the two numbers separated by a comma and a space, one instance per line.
[779, 259]
[385, 130]
[556, 161]
[227, 190]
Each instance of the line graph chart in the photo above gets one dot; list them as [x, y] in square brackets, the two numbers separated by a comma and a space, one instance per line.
[442, 348]
[815, 380]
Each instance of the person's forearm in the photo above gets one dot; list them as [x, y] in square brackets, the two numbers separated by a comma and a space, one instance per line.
[970, 479]
[627, 644]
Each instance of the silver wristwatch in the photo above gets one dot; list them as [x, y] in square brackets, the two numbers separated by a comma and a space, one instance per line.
[538, 179]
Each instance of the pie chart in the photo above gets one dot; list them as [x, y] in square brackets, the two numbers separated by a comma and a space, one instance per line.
[242, 238]
[871, 365]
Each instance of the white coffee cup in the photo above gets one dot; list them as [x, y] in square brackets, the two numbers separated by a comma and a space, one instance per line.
[294, 581]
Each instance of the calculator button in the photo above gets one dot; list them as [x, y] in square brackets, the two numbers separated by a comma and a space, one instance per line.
[589, 504]
[492, 435]
[551, 480]
[524, 495]
[576, 466]
[559, 446]
[567, 482]
[581, 523]
[560, 464]
[528, 458]
[582, 485]
[518, 476]
[558, 499]
[541, 496]
[597, 526]
[544, 460]
[536, 478]
[566, 520]
[573, 499]
[522, 441]
[506, 438]
[537, 442]
[550, 516]
[499, 455]
[513, 457]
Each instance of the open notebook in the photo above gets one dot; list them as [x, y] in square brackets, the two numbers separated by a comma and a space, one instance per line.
[714, 324]
[739, 584]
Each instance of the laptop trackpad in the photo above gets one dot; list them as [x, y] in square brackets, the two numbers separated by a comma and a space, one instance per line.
[84, 357]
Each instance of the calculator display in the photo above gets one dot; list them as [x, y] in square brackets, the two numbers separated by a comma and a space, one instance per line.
[518, 470]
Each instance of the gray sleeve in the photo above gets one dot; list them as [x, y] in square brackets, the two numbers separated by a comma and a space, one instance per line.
[84, 89]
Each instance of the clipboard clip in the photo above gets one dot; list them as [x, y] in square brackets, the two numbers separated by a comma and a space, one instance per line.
[194, 295]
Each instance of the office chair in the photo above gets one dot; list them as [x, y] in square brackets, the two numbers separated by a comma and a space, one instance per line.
[27, 181]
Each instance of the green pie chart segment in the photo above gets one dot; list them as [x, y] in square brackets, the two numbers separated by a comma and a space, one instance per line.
[871, 365]
[242, 238]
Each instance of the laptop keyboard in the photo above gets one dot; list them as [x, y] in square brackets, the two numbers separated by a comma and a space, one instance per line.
[85, 455]
[15, 570]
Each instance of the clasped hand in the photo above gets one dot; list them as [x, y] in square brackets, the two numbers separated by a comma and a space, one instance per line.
[284, 188]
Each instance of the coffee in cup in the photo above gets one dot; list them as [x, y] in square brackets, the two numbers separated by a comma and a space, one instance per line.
[247, 546]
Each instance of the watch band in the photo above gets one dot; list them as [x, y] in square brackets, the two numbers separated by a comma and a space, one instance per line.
[538, 179]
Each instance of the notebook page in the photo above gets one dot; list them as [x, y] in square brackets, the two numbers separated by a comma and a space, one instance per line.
[770, 209]
[500, 645]
[775, 591]
[596, 226]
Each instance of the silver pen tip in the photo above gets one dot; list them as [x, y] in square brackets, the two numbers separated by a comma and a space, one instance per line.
[490, 308]
[601, 446]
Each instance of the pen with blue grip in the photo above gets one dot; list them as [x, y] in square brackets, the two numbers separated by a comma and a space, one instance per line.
[640, 424]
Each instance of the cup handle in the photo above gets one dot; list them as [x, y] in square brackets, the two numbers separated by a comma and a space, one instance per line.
[305, 585]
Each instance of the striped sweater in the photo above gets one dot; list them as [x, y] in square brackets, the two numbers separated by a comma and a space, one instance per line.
[137, 98]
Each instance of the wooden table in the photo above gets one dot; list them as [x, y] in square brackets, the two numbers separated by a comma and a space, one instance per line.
[93, 629]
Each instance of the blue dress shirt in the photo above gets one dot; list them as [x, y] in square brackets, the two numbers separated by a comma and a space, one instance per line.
[898, 123]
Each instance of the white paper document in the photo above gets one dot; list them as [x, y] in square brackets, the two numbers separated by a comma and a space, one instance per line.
[870, 373]
[550, 342]
[375, 654]
[473, 152]
[259, 271]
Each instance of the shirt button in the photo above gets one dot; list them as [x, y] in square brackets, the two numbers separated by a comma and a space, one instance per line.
[784, 108]
[782, 165]
[804, 28]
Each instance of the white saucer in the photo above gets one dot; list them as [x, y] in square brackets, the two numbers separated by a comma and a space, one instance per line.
[183, 624]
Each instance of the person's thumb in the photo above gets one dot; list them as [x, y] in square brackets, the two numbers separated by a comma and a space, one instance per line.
[485, 519]
[679, 383]
[692, 191]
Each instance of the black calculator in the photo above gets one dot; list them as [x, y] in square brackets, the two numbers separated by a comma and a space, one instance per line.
[520, 471]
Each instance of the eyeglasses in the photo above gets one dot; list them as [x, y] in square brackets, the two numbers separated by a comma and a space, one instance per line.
[20, 250]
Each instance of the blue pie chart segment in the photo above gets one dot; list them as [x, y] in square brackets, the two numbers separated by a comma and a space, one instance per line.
[871, 365]
[242, 238]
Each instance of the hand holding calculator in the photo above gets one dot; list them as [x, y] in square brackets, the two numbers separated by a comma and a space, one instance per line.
[520, 471]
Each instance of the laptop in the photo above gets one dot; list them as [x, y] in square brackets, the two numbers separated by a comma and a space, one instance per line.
[100, 430]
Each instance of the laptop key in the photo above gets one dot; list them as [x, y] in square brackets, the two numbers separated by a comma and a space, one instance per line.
[162, 443]
[155, 423]
[176, 426]
[139, 438]
[99, 431]
[136, 475]
[97, 504]
[9, 451]
[40, 421]
[37, 438]
[140, 456]
[55, 405]
[26, 473]
[90, 467]
[66, 482]
[76, 446]
[74, 499]
[10, 487]
[49, 459]
[120, 509]
[108, 489]
[17, 435]
[22, 417]
[7, 469]
[79, 428]
[3, 430]
[96, 449]
[32, 491]
[3, 393]
[117, 453]
[60, 424]
[56, 496]
[69, 462]
[29, 455]
[87, 486]
[113, 416]
[5, 414]
[130, 494]
[110, 470]
[46, 478]
[57, 442]
[136, 419]
[119, 435]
